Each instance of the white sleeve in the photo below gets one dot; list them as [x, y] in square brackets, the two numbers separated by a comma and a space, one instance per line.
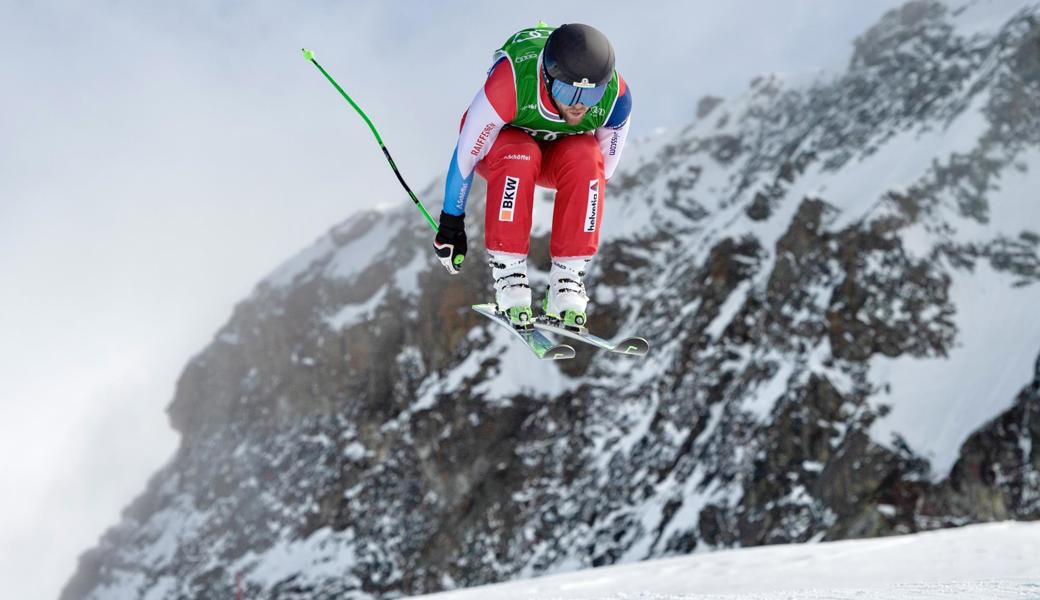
[478, 134]
[611, 142]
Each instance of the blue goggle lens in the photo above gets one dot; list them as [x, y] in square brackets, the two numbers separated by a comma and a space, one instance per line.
[569, 95]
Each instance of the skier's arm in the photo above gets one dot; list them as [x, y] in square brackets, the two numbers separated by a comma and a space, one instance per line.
[493, 107]
[612, 134]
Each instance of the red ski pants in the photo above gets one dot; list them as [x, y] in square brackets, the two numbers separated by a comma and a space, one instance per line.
[572, 165]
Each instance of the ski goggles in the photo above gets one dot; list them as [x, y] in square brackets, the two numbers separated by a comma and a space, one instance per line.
[568, 94]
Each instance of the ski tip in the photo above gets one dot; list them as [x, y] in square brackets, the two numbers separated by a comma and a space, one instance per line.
[560, 352]
[309, 55]
[634, 346]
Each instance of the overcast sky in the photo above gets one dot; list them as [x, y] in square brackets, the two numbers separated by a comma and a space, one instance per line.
[158, 159]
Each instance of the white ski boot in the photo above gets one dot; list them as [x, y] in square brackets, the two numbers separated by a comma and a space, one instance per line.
[512, 290]
[565, 299]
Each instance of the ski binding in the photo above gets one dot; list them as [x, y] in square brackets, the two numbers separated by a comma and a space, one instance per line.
[538, 342]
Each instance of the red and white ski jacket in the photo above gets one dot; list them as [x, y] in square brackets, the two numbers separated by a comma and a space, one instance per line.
[494, 107]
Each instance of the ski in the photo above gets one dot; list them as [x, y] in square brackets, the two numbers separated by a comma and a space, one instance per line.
[542, 346]
[633, 346]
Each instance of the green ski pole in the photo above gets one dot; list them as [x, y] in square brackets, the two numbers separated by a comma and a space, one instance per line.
[310, 56]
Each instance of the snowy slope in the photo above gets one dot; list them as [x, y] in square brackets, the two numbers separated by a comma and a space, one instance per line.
[978, 562]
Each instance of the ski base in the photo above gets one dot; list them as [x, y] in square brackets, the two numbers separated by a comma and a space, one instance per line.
[542, 346]
[632, 346]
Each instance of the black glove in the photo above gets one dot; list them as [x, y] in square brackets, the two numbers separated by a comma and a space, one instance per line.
[450, 243]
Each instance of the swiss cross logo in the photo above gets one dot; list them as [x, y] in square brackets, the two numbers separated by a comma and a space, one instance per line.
[505, 210]
[592, 210]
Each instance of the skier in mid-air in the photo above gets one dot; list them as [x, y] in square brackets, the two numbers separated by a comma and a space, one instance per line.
[552, 112]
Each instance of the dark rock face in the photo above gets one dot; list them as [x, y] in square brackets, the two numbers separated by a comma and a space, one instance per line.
[998, 474]
[355, 431]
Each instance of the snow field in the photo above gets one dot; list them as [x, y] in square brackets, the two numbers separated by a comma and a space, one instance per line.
[981, 562]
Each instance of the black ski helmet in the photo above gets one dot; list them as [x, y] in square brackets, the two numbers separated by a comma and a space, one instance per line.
[576, 53]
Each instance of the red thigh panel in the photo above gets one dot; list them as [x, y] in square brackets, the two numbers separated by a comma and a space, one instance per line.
[574, 167]
[511, 168]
